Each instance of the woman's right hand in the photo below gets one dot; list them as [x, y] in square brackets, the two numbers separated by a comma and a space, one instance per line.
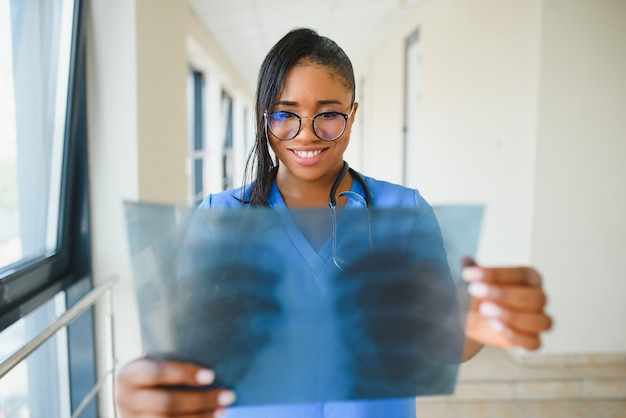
[141, 390]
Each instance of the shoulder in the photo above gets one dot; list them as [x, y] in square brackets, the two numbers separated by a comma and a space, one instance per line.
[420, 216]
[387, 194]
[233, 198]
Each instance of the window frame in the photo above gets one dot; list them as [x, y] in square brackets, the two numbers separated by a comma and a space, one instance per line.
[412, 44]
[227, 149]
[196, 135]
[27, 284]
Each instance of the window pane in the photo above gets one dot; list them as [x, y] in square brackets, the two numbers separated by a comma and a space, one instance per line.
[198, 110]
[198, 169]
[227, 150]
[35, 46]
[196, 142]
[38, 386]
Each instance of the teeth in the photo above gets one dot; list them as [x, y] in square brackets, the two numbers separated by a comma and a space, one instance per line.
[307, 154]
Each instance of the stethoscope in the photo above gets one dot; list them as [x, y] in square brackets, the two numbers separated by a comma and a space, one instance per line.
[332, 198]
[332, 203]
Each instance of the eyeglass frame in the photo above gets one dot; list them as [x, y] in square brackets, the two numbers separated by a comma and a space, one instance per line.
[346, 116]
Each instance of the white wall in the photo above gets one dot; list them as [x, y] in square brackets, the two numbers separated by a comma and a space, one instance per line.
[523, 108]
[113, 163]
[162, 67]
[476, 129]
[579, 226]
[137, 133]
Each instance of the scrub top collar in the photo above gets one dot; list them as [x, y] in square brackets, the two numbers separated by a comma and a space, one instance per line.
[276, 199]
[318, 260]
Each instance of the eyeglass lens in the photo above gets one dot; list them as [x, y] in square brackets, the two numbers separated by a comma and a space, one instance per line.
[327, 125]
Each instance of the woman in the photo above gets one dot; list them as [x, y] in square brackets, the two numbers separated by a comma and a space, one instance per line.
[305, 109]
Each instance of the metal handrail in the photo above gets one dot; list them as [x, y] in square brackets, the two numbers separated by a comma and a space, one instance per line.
[92, 394]
[62, 321]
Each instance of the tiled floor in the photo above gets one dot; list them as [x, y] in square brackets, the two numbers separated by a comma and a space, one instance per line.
[524, 409]
[494, 385]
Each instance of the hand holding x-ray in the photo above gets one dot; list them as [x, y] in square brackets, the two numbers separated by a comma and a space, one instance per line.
[507, 306]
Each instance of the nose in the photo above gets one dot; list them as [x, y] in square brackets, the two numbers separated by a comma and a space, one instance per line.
[306, 129]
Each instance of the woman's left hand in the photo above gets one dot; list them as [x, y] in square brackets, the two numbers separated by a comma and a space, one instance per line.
[507, 307]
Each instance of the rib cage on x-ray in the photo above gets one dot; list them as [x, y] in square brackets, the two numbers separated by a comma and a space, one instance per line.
[232, 290]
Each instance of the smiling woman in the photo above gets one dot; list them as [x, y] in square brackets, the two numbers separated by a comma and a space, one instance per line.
[305, 110]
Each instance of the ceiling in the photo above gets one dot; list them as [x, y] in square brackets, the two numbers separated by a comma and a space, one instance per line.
[247, 29]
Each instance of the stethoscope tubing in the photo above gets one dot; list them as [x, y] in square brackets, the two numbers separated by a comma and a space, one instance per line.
[332, 198]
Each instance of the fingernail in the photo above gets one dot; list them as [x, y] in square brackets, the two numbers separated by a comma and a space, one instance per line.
[219, 413]
[496, 325]
[205, 376]
[478, 290]
[481, 290]
[471, 274]
[226, 398]
[489, 309]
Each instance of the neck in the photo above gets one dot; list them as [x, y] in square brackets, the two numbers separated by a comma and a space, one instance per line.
[299, 192]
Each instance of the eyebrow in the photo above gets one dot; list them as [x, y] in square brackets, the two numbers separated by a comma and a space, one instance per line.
[319, 102]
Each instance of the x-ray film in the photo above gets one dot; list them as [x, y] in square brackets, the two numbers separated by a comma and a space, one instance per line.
[288, 306]
[460, 227]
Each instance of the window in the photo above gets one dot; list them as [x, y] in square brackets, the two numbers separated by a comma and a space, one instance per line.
[34, 66]
[248, 137]
[195, 97]
[44, 225]
[411, 107]
[227, 149]
[37, 386]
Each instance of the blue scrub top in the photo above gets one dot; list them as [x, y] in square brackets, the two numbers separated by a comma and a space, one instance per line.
[384, 195]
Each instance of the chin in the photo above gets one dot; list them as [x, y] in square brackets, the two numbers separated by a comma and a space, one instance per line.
[306, 173]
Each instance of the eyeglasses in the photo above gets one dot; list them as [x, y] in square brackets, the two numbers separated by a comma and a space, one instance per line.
[327, 126]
